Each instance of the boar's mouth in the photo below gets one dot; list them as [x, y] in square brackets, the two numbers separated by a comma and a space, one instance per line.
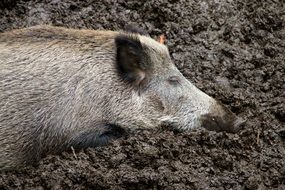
[230, 124]
[170, 124]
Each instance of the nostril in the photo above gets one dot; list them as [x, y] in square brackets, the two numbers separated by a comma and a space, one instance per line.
[239, 122]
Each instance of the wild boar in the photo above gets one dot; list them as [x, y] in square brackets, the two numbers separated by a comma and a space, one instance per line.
[63, 88]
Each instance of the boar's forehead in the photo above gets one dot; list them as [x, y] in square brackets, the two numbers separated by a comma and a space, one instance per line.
[162, 65]
[153, 48]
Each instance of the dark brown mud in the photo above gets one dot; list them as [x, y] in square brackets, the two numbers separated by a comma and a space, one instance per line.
[232, 50]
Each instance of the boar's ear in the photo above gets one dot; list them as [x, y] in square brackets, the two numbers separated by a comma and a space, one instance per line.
[130, 59]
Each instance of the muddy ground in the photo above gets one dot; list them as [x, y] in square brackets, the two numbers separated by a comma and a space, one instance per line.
[232, 50]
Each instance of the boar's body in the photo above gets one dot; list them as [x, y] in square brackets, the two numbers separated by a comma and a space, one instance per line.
[50, 80]
[63, 87]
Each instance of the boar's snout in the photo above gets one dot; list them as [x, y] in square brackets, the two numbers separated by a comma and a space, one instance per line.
[218, 123]
[221, 119]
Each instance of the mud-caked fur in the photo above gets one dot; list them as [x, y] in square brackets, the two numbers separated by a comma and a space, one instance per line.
[62, 88]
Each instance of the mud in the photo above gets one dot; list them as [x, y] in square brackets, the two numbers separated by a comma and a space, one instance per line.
[232, 50]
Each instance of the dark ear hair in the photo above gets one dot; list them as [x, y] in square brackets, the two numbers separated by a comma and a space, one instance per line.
[131, 59]
[131, 28]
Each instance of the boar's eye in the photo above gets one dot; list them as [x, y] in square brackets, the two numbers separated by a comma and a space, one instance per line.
[174, 80]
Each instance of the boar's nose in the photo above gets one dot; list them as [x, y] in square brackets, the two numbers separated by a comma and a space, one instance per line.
[239, 122]
[228, 123]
